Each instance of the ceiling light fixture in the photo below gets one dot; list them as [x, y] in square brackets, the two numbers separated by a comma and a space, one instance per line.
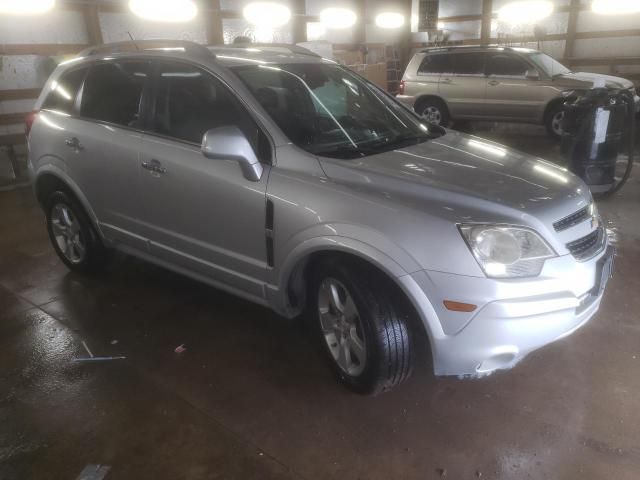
[336, 18]
[267, 14]
[525, 12]
[390, 20]
[175, 11]
[26, 7]
[615, 7]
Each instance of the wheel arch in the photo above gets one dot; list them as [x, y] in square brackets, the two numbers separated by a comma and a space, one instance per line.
[50, 178]
[551, 105]
[295, 275]
[423, 98]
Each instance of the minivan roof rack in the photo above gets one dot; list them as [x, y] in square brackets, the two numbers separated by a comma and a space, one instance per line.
[148, 45]
[286, 46]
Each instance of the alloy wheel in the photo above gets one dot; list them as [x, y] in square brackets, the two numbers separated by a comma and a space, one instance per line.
[67, 233]
[556, 123]
[342, 327]
[432, 115]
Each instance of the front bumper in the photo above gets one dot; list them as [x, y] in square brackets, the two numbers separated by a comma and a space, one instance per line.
[513, 317]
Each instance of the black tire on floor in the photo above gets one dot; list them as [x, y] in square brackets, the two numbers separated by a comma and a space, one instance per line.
[436, 107]
[384, 325]
[551, 119]
[95, 254]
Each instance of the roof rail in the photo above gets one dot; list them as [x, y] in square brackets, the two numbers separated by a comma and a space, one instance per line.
[286, 46]
[463, 47]
[148, 45]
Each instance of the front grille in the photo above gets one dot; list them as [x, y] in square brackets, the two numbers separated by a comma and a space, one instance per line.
[586, 247]
[573, 219]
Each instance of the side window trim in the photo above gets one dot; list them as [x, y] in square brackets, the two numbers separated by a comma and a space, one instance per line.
[153, 92]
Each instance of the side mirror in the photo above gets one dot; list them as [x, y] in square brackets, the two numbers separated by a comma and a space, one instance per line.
[532, 74]
[229, 143]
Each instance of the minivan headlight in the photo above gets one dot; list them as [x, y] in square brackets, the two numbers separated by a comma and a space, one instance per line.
[507, 252]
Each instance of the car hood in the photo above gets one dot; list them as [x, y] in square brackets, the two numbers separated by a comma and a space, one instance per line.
[463, 170]
[587, 80]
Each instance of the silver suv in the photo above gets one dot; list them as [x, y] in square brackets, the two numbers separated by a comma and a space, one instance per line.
[495, 83]
[294, 183]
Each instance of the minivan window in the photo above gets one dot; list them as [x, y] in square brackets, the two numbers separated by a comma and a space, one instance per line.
[503, 65]
[437, 63]
[113, 90]
[190, 101]
[328, 110]
[64, 90]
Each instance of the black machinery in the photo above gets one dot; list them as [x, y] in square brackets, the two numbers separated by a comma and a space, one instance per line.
[599, 126]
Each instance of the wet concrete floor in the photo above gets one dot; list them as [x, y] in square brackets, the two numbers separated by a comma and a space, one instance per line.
[250, 398]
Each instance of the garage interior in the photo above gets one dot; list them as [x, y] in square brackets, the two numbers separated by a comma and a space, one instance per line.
[205, 385]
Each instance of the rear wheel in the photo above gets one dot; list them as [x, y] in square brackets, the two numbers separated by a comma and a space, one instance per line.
[433, 111]
[72, 235]
[361, 327]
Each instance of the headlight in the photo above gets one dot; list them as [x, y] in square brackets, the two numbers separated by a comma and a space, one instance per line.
[507, 252]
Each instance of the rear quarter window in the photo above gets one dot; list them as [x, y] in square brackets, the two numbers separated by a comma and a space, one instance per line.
[63, 91]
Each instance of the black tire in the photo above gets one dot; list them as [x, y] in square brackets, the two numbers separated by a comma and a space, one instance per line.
[384, 326]
[427, 106]
[95, 254]
[550, 120]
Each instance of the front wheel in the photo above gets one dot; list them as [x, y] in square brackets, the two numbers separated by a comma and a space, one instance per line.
[361, 327]
[554, 121]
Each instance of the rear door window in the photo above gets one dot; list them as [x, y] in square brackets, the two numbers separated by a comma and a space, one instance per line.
[505, 65]
[63, 92]
[435, 64]
[471, 63]
[113, 92]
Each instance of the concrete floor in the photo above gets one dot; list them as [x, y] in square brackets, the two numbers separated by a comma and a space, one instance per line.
[251, 398]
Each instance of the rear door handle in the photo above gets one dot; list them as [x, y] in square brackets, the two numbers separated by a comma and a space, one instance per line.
[493, 83]
[446, 80]
[74, 143]
[155, 167]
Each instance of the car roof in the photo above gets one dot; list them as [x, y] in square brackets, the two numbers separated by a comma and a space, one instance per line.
[230, 56]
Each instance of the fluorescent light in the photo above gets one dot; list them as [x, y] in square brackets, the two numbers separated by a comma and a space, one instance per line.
[26, 7]
[164, 10]
[390, 20]
[267, 14]
[338, 18]
[525, 12]
[615, 7]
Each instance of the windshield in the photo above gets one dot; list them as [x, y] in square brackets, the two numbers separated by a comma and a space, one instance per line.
[548, 65]
[327, 110]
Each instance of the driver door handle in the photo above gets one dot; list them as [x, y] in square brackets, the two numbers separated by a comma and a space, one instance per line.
[493, 83]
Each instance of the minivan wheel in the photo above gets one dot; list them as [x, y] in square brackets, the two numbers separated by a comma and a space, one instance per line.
[361, 328]
[72, 235]
[433, 111]
[554, 122]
